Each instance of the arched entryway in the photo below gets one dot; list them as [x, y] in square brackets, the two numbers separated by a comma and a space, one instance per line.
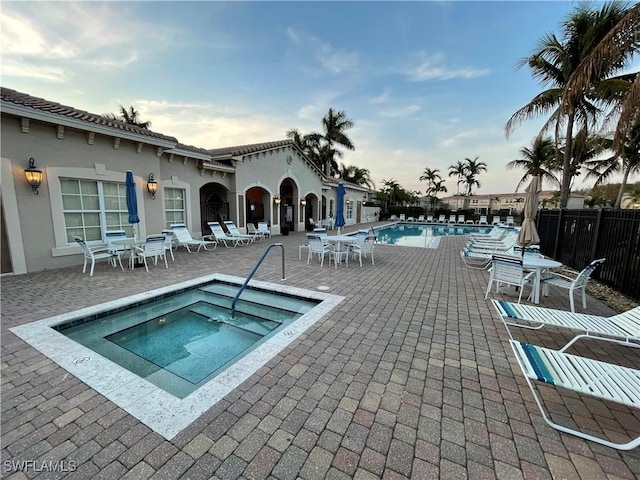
[214, 205]
[312, 214]
[257, 205]
[289, 214]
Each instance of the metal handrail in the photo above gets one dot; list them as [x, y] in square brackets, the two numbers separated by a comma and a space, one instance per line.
[244, 285]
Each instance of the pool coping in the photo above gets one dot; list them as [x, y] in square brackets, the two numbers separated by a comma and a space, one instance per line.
[162, 412]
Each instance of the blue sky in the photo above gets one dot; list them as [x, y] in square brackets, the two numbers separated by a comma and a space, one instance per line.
[426, 83]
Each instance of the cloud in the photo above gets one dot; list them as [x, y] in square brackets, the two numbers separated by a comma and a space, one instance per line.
[332, 59]
[399, 111]
[433, 67]
[382, 98]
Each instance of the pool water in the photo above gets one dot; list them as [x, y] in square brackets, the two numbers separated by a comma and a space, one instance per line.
[425, 236]
[181, 341]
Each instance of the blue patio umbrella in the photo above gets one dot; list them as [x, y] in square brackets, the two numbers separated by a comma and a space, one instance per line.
[132, 200]
[340, 206]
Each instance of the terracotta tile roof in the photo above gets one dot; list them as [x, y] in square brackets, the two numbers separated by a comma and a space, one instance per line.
[46, 106]
[191, 148]
[247, 149]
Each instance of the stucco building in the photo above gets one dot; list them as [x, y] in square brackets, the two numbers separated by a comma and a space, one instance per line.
[84, 158]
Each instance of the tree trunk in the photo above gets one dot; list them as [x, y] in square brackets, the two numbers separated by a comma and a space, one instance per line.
[625, 177]
[566, 166]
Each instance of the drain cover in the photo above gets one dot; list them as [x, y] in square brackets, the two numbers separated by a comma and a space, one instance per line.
[323, 287]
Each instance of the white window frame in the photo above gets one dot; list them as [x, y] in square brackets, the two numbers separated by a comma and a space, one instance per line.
[184, 205]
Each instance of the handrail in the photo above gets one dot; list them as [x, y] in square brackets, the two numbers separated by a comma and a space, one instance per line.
[244, 285]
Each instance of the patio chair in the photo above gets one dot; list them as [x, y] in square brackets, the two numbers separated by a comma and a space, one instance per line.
[403, 218]
[220, 236]
[168, 242]
[420, 218]
[452, 219]
[508, 270]
[110, 236]
[442, 219]
[363, 249]
[594, 378]
[184, 238]
[96, 254]
[263, 228]
[495, 220]
[317, 247]
[461, 218]
[579, 283]
[482, 220]
[393, 218]
[510, 221]
[154, 246]
[623, 328]
[429, 218]
[235, 233]
[251, 230]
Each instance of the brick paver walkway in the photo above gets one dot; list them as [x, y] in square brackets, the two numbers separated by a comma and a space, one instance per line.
[410, 377]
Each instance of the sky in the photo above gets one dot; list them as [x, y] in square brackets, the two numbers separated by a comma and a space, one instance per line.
[426, 84]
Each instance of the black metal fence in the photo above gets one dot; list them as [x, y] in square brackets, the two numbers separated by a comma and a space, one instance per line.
[576, 237]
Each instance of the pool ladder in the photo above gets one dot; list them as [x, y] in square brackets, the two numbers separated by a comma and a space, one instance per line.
[244, 285]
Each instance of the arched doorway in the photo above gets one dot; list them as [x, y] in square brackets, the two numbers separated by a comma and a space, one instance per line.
[289, 204]
[257, 205]
[214, 205]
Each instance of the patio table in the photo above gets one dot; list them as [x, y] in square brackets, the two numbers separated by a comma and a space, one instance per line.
[538, 265]
[130, 244]
[337, 241]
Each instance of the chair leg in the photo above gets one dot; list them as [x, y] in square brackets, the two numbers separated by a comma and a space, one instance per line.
[84, 265]
[571, 301]
[93, 264]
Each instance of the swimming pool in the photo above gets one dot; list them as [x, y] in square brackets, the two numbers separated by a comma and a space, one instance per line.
[425, 236]
[119, 327]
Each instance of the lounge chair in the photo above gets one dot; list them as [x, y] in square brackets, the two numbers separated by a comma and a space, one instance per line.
[153, 247]
[96, 254]
[420, 218]
[429, 218]
[482, 220]
[506, 269]
[184, 238]
[442, 219]
[235, 233]
[461, 218]
[251, 230]
[220, 236]
[452, 219]
[510, 221]
[263, 228]
[479, 260]
[579, 283]
[495, 220]
[590, 377]
[403, 217]
[496, 246]
[623, 328]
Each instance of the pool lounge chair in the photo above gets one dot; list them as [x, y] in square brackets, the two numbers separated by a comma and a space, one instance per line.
[429, 218]
[235, 233]
[263, 228]
[403, 218]
[495, 220]
[623, 328]
[510, 221]
[420, 218]
[220, 236]
[452, 219]
[442, 219]
[184, 238]
[251, 230]
[482, 220]
[461, 218]
[606, 381]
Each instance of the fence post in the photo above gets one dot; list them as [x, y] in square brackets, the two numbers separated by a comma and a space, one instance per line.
[596, 235]
[556, 240]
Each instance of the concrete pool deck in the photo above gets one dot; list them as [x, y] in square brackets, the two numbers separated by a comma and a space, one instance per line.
[411, 376]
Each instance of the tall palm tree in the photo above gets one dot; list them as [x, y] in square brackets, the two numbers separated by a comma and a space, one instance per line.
[434, 190]
[353, 174]
[130, 117]
[537, 161]
[392, 187]
[430, 175]
[619, 43]
[473, 168]
[554, 63]
[459, 170]
[334, 125]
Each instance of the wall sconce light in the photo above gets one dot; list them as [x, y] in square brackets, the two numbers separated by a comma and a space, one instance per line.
[152, 186]
[34, 176]
[277, 199]
[348, 202]
[303, 202]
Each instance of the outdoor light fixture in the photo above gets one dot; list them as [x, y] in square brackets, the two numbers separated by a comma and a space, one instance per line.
[303, 202]
[34, 176]
[277, 199]
[152, 186]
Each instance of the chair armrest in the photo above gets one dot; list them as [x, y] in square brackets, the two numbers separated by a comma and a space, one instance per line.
[563, 277]
[209, 238]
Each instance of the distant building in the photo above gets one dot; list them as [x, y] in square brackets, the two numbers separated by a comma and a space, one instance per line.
[485, 204]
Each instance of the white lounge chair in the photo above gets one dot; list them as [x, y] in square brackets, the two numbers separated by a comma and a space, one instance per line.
[235, 233]
[153, 247]
[420, 218]
[579, 283]
[497, 246]
[429, 218]
[623, 328]
[461, 218]
[91, 255]
[442, 219]
[219, 235]
[452, 219]
[184, 238]
[495, 220]
[594, 378]
[393, 218]
[251, 230]
[482, 220]
[510, 221]
[403, 218]
[263, 228]
[508, 270]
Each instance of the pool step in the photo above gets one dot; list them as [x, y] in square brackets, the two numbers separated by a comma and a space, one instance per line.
[242, 321]
[260, 310]
[282, 302]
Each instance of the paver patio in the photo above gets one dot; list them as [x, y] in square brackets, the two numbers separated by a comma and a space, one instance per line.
[411, 376]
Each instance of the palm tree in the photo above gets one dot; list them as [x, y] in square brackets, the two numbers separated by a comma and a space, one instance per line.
[392, 188]
[473, 168]
[353, 174]
[619, 43]
[434, 190]
[537, 161]
[458, 170]
[130, 117]
[554, 63]
[334, 124]
[430, 175]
